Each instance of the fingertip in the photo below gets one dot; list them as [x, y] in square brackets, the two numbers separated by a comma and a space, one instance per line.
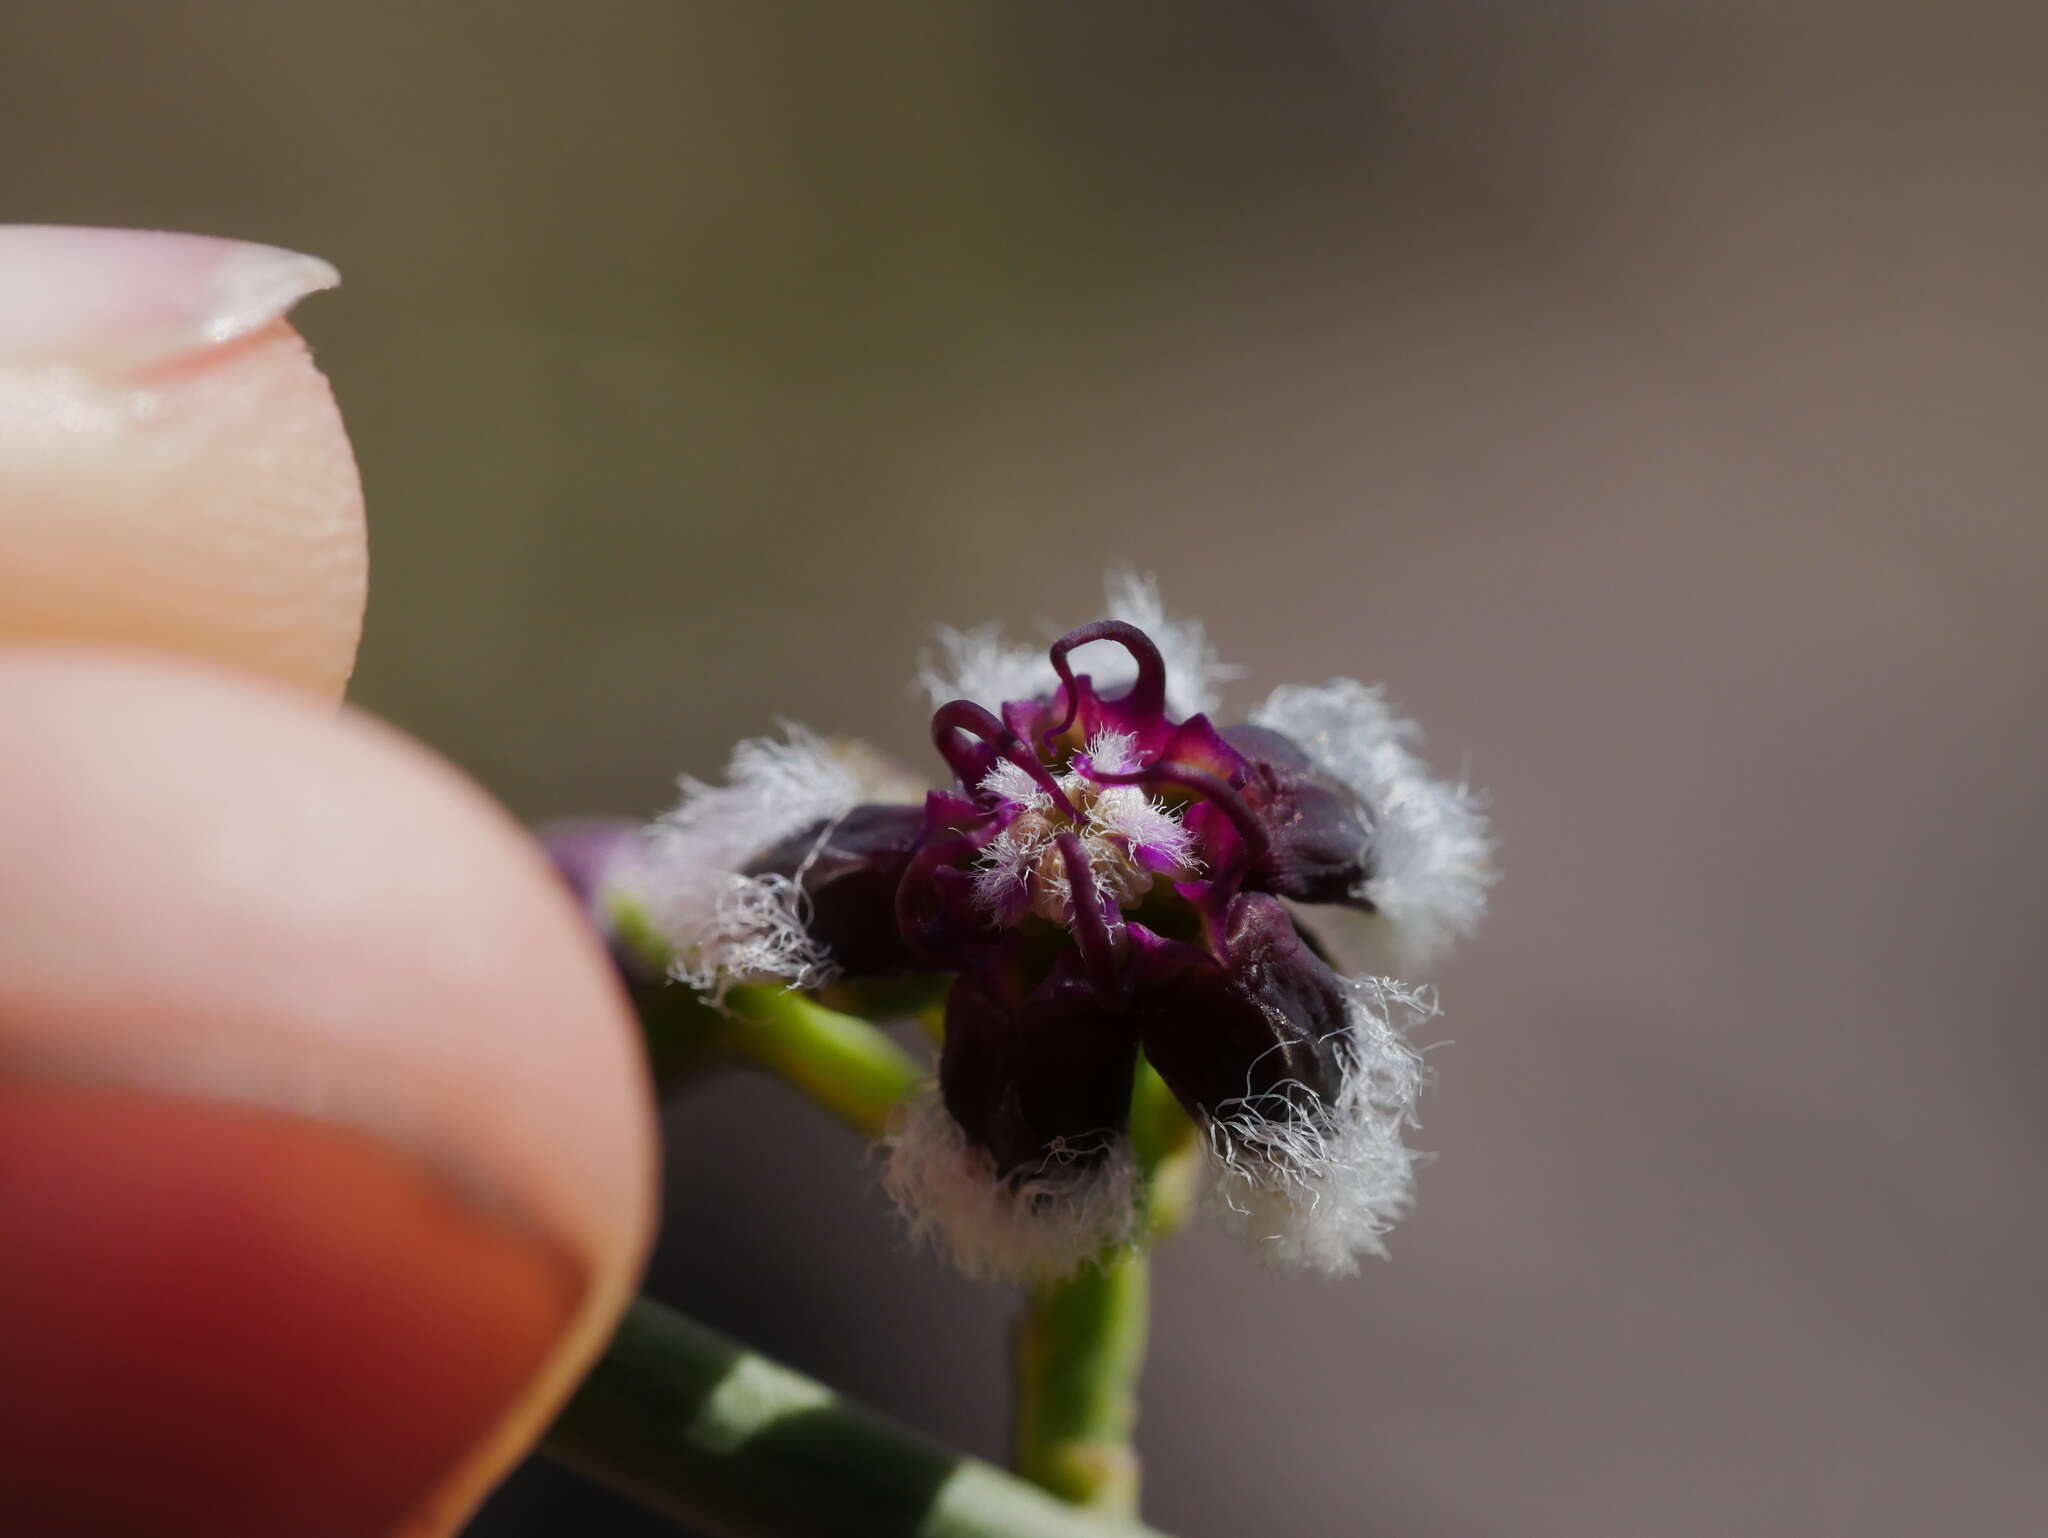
[228, 1321]
[224, 902]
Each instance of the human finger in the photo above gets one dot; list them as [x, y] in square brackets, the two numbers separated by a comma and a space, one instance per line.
[326, 1156]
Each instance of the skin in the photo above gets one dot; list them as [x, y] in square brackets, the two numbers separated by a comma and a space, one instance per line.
[326, 1150]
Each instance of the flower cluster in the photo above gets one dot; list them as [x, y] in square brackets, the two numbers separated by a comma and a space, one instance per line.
[1109, 873]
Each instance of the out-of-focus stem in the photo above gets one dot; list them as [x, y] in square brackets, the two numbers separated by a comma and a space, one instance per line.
[696, 1426]
[1079, 1346]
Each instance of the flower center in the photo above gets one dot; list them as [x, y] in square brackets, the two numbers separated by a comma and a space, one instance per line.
[1129, 839]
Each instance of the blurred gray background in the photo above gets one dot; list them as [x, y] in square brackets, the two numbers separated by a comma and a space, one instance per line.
[1652, 395]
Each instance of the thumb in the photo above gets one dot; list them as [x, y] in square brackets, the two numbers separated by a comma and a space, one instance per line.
[326, 1157]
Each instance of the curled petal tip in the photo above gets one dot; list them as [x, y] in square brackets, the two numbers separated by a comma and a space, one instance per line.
[124, 299]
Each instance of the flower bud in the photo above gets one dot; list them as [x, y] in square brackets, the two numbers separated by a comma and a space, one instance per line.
[1317, 848]
[1258, 1025]
[846, 871]
[1038, 1079]
[1431, 858]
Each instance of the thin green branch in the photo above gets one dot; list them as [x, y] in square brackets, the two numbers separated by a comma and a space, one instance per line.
[1165, 1141]
[1079, 1345]
[839, 1062]
[694, 1425]
[1075, 1358]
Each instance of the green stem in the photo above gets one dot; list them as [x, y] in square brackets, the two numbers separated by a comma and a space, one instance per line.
[841, 1063]
[1079, 1346]
[1169, 1156]
[1075, 1357]
[696, 1426]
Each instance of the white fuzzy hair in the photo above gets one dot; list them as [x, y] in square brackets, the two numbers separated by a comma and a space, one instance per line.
[725, 927]
[1315, 1185]
[1430, 855]
[1116, 820]
[979, 665]
[1013, 783]
[1037, 1229]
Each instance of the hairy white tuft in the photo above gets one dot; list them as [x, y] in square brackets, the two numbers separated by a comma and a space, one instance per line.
[1114, 752]
[725, 927]
[1123, 816]
[978, 665]
[1002, 879]
[1127, 837]
[1431, 857]
[1032, 1230]
[1014, 784]
[1315, 1185]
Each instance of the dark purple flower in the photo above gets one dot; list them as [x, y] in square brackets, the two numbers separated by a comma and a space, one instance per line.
[845, 870]
[1104, 873]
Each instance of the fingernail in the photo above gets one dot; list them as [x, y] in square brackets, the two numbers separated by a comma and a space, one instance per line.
[115, 300]
[230, 1321]
[173, 471]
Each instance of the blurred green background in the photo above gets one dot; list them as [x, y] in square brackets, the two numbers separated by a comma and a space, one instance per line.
[1651, 395]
